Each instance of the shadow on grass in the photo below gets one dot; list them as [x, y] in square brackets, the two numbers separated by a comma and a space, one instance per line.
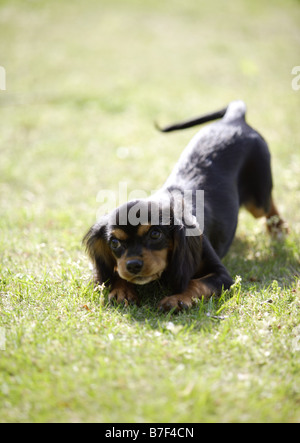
[202, 316]
[271, 260]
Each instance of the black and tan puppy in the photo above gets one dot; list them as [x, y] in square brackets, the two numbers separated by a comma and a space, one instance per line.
[163, 236]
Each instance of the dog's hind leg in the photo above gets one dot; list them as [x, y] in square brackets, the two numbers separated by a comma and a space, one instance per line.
[276, 226]
[255, 188]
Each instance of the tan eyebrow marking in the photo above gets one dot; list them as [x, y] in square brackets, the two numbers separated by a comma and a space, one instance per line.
[119, 234]
[143, 229]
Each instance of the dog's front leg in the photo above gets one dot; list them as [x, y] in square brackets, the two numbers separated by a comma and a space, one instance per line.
[200, 288]
[123, 292]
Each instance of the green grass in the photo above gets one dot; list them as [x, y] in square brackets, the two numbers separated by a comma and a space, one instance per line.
[85, 82]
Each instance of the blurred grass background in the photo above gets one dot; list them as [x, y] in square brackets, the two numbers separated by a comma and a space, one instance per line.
[85, 81]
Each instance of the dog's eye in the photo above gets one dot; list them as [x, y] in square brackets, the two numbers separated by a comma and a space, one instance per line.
[114, 243]
[155, 234]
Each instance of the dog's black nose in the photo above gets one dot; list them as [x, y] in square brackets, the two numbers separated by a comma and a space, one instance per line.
[134, 266]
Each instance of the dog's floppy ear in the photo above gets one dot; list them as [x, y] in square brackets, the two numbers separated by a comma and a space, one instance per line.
[96, 244]
[185, 258]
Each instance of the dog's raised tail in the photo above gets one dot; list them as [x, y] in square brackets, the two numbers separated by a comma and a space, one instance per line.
[235, 109]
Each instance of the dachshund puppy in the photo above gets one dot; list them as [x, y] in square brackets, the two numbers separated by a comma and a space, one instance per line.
[166, 237]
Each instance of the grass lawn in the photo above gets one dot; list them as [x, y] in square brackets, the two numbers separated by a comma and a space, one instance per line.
[85, 80]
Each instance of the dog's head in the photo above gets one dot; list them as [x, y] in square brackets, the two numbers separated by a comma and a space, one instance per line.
[141, 241]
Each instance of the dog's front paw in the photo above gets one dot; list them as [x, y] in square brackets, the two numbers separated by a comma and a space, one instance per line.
[175, 303]
[123, 293]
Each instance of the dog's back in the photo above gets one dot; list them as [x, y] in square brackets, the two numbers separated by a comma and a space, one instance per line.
[230, 161]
